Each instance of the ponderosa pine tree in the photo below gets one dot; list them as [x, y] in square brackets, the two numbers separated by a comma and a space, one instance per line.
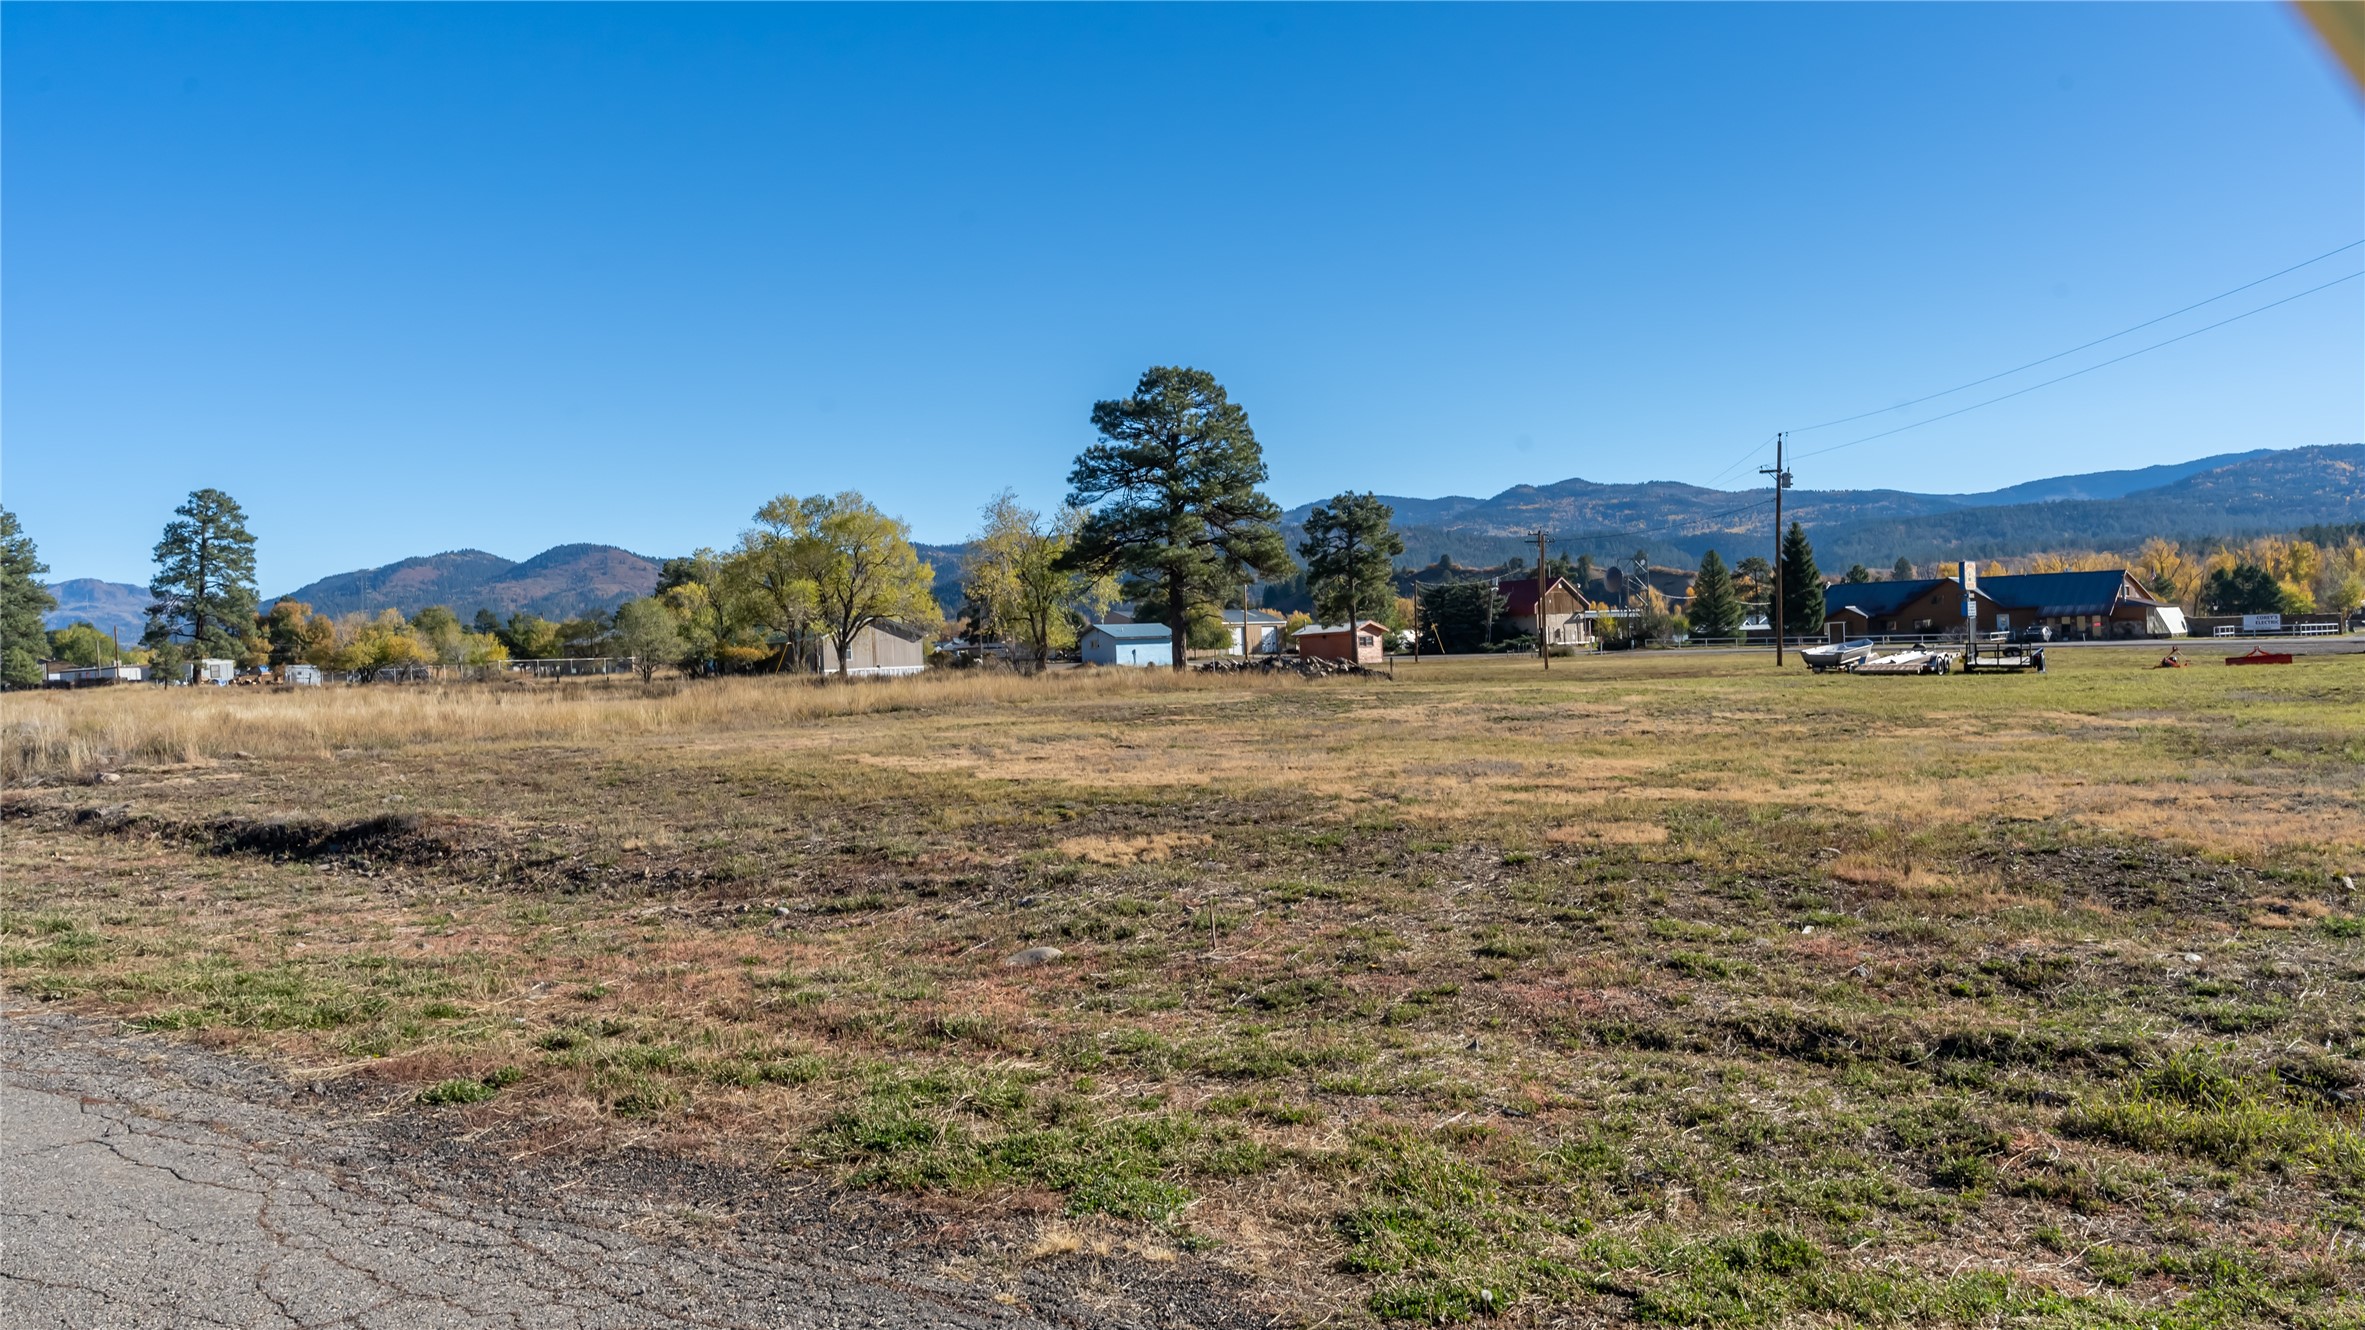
[1350, 552]
[23, 600]
[204, 587]
[1802, 586]
[1171, 492]
[1715, 611]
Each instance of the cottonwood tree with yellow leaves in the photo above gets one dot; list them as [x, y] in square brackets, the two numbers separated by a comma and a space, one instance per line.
[1015, 578]
[832, 565]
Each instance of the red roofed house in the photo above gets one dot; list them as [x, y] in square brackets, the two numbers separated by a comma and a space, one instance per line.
[1366, 643]
[1564, 608]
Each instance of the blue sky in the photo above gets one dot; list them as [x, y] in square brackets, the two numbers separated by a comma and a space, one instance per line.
[410, 279]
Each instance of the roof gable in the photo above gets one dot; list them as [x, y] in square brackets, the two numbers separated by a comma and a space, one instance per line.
[2090, 592]
[1874, 599]
[1134, 632]
[1519, 593]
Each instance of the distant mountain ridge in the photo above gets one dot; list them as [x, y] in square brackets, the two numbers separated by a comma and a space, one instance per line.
[113, 607]
[2225, 495]
[2103, 484]
[558, 583]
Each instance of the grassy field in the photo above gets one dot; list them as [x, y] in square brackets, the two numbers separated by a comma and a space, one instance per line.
[1659, 989]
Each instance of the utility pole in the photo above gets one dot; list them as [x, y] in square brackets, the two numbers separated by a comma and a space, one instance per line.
[1543, 637]
[1781, 483]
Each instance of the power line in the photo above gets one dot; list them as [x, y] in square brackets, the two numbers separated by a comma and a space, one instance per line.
[1745, 459]
[1948, 415]
[1960, 387]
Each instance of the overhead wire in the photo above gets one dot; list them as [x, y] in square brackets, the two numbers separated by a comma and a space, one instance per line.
[1745, 460]
[2004, 374]
[1948, 415]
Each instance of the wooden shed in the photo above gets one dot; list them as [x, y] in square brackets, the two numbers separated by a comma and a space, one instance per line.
[1365, 643]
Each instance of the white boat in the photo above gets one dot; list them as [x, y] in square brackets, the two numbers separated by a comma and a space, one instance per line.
[1839, 655]
[1908, 662]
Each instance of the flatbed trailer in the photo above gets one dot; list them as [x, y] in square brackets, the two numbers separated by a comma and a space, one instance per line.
[2002, 657]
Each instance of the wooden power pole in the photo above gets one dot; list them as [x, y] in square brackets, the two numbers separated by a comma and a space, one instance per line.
[1543, 635]
[1781, 483]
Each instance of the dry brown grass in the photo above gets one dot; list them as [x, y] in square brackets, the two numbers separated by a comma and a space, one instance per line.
[1117, 851]
[1617, 965]
[71, 734]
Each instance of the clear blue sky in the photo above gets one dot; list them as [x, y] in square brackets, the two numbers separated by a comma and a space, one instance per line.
[410, 279]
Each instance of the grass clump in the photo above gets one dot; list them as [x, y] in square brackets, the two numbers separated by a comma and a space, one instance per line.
[965, 1129]
[2204, 1103]
[470, 1090]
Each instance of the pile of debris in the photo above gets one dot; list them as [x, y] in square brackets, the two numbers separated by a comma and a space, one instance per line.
[1304, 667]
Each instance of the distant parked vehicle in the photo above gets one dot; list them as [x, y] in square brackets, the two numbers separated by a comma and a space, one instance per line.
[1840, 655]
[2035, 632]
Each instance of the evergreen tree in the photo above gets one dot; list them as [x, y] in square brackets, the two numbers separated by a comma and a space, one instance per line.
[1715, 611]
[1857, 574]
[1753, 582]
[2244, 588]
[1802, 586]
[1903, 571]
[1459, 616]
[1171, 490]
[1350, 552]
[204, 588]
[23, 600]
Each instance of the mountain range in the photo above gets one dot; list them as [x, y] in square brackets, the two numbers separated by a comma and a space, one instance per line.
[2228, 495]
[113, 607]
[558, 583]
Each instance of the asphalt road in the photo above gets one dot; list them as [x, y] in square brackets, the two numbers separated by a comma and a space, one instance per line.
[148, 1184]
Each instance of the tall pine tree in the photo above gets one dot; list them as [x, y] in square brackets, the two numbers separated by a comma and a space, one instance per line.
[23, 600]
[1715, 611]
[1172, 492]
[1802, 586]
[205, 578]
[1350, 552]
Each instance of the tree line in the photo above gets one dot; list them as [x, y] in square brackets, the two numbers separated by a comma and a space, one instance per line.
[1166, 509]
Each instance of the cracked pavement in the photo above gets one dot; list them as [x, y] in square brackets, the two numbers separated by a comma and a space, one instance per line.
[145, 1183]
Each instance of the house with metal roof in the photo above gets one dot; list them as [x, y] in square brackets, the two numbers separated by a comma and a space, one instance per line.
[1126, 644]
[1907, 607]
[2109, 602]
[1563, 619]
